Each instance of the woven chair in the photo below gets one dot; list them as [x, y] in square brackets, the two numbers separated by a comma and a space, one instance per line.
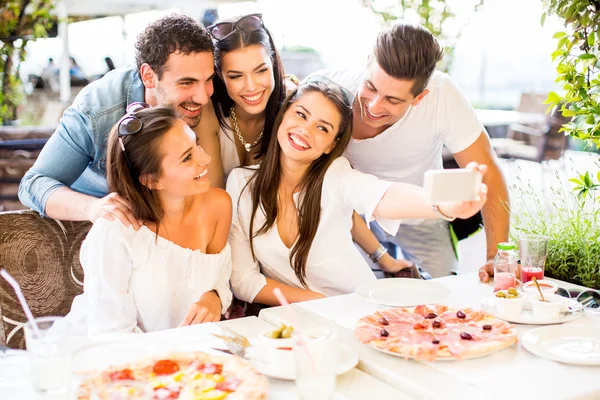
[42, 254]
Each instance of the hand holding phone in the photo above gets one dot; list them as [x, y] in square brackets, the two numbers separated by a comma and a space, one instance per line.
[452, 185]
[458, 193]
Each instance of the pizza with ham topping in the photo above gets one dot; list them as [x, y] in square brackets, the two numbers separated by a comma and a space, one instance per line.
[430, 332]
[183, 376]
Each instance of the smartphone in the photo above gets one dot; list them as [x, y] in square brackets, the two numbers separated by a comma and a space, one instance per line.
[451, 185]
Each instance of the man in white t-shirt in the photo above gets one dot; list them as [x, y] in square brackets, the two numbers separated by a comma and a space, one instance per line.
[405, 112]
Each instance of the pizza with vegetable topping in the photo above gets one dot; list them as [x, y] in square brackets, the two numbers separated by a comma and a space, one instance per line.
[433, 332]
[184, 376]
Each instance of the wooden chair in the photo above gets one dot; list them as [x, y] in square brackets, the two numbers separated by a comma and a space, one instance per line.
[529, 103]
[42, 254]
[541, 144]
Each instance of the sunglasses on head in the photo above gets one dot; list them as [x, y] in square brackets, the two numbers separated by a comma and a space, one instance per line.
[589, 299]
[248, 23]
[130, 125]
[319, 79]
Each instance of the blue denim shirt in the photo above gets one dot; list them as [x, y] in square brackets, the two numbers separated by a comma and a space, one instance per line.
[75, 155]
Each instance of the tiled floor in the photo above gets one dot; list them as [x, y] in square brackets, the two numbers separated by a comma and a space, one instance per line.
[541, 178]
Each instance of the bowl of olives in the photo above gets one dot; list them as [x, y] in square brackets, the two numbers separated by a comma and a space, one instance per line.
[509, 302]
[280, 337]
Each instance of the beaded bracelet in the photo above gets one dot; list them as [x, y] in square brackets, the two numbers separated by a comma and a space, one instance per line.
[377, 254]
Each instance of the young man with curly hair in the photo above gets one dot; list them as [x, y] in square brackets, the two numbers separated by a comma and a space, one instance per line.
[174, 68]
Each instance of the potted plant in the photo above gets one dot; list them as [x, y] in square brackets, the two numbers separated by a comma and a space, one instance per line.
[570, 219]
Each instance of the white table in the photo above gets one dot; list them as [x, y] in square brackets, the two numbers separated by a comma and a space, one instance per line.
[353, 385]
[491, 118]
[509, 374]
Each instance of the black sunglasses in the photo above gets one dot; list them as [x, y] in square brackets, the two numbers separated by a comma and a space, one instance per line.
[589, 299]
[319, 79]
[129, 124]
[248, 23]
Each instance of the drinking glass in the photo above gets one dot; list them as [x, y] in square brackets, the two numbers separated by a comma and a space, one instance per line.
[50, 356]
[533, 249]
[316, 353]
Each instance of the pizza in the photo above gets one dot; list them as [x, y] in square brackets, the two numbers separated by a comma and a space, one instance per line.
[184, 376]
[433, 332]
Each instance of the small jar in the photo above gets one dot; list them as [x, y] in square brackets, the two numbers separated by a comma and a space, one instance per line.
[505, 267]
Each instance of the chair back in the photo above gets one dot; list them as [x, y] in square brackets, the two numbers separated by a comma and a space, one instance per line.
[530, 103]
[42, 254]
[552, 144]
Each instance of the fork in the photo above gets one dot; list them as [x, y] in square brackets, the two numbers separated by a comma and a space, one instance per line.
[235, 342]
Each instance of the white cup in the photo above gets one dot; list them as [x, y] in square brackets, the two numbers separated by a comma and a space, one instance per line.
[317, 356]
[50, 356]
[509, 308]
[547, 287]
[547, 310]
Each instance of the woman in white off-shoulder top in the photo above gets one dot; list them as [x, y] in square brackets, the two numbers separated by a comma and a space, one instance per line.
[175, 269]
[292, 217]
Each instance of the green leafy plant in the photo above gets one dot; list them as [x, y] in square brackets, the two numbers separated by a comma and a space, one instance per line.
[585, 183]
[570, 218]
[572, 223]
[578, 63]
[432, 14]
[20, 22]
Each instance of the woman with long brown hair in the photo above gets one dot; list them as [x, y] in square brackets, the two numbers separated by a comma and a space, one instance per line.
[175, 269]
[249, 88]
[292, 217]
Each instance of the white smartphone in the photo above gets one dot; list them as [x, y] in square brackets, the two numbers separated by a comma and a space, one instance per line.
[451, 185]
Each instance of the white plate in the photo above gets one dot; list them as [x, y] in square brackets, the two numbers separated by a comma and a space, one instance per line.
[571, 344]
[527, 317]
[347, 360]
[439, 358]
[402, 292]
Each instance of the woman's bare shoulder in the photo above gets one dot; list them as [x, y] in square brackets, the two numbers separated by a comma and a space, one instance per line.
[218, 200]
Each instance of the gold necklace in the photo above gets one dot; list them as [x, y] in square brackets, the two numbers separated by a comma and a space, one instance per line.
[236, 128]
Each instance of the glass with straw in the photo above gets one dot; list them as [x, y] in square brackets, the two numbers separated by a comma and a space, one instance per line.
[316, 379]
[48, 346]
[316, 354]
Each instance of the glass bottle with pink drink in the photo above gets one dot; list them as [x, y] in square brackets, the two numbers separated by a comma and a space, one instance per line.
[505, 267]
